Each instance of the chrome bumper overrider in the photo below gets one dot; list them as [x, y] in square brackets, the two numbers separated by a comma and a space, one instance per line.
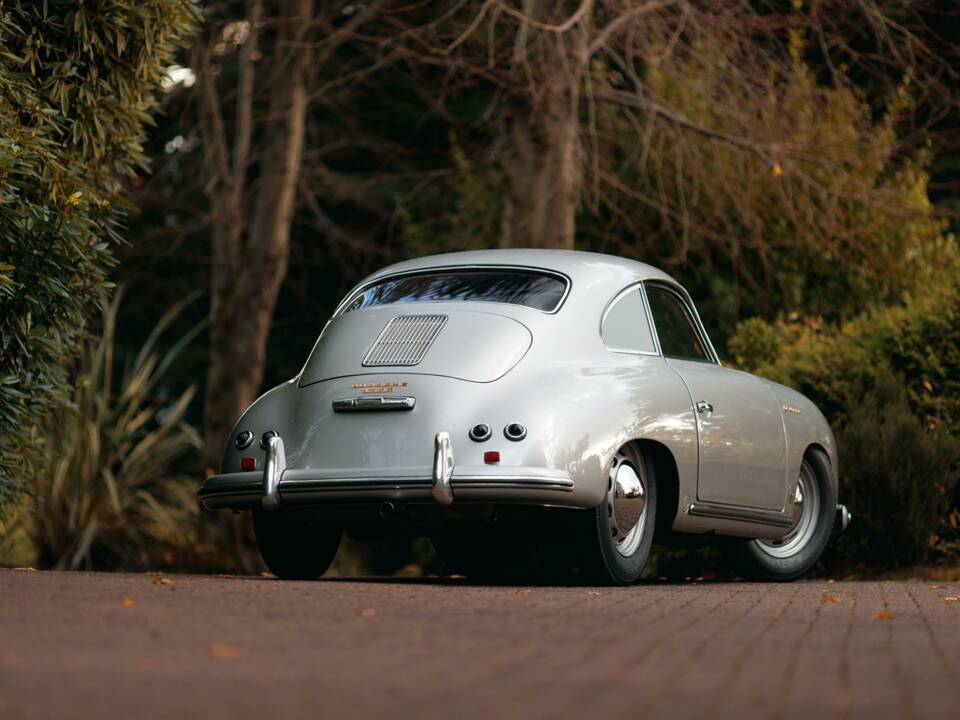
[842, 519]
[443, 483]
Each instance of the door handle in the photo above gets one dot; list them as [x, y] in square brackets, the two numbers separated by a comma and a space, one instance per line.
[704, 407]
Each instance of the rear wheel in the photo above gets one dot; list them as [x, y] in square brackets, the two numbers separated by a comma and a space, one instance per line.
[794, 554]
[618, 534]
[294, 547]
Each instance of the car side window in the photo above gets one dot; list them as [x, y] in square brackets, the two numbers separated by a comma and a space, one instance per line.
[625, 327]
[675, 327]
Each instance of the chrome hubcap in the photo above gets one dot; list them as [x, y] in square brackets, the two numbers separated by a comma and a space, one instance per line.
[806, 510]
[626, 505]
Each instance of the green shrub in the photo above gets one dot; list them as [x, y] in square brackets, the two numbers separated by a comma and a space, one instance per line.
[918, 339]
[105, 495]
[897, 439]
[896, 474]
[77, 83]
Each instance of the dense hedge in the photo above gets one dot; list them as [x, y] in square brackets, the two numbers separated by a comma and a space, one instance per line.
[78, 82]
[889, 382]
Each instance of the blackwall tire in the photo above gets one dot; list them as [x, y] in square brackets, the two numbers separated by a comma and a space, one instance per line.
[292, 547]
[612, 556]
[798, 552]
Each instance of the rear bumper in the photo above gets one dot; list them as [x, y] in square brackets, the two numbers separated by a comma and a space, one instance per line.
[469, 484]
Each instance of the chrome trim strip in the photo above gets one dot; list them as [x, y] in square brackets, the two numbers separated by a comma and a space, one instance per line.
[238, 493]
[515, 483]
[322, 486]
[741, 514]
[650, 323]
[373, 402]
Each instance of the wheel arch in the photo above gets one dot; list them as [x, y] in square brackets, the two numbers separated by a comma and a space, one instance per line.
[834, 475]
[668, 483]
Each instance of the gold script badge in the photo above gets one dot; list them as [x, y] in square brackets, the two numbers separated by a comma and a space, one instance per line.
[378, 388]
[791, 409]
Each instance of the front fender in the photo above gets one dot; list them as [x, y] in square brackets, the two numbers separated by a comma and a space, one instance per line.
[805, 426]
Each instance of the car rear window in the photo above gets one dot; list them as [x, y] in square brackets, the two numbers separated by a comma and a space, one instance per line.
[539, 290]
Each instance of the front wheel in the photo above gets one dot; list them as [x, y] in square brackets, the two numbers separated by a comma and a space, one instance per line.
[794, 554]
[293, 547]
[619, 533]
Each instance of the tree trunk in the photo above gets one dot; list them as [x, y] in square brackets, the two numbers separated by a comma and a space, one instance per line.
[539, 142]
[250, 255]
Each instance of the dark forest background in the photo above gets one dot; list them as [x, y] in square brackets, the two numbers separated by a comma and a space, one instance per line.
[794, 164]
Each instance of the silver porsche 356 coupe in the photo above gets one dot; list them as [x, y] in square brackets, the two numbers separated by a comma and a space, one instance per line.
[497, 399]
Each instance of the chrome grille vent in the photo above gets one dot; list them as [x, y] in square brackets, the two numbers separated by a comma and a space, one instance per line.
[405, 340]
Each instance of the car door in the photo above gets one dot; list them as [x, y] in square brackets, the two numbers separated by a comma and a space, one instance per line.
[741, 436]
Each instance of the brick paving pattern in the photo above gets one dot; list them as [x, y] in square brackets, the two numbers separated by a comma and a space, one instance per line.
[80, 645]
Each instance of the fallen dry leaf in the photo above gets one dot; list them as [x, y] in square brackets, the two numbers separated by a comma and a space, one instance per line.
[951, 598]
[266, 574]
[830, 600]
[162, 581]
[128, 602]
[219, 651]
[594, 593]
[936, 587]
[27, 569]
[831, 581]
[885, 615]
[521, 592]
[368, 612]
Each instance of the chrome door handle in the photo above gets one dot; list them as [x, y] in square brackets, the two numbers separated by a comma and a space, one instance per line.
[704, 407]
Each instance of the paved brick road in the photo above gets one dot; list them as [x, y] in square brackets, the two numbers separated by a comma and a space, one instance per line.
[99, 646]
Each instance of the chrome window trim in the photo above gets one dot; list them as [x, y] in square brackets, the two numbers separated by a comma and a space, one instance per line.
[691, 309]
[453, 268]
[653, 325]
[638, 285]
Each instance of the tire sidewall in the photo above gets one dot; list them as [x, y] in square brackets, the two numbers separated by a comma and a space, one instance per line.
[767, 567]
[293, 548]
[622, 569]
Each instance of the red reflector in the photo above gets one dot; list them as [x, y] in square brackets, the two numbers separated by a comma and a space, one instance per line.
[491, 456]
[248, 463]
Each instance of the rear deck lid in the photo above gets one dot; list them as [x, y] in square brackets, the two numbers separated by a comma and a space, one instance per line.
[469, 345]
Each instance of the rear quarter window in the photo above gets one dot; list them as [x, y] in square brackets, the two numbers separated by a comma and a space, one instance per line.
[625, 327]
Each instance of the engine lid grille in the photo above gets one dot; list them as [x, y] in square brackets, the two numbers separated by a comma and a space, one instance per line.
[405, 340]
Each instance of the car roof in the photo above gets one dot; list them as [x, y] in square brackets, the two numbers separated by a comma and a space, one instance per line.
[573, 263]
